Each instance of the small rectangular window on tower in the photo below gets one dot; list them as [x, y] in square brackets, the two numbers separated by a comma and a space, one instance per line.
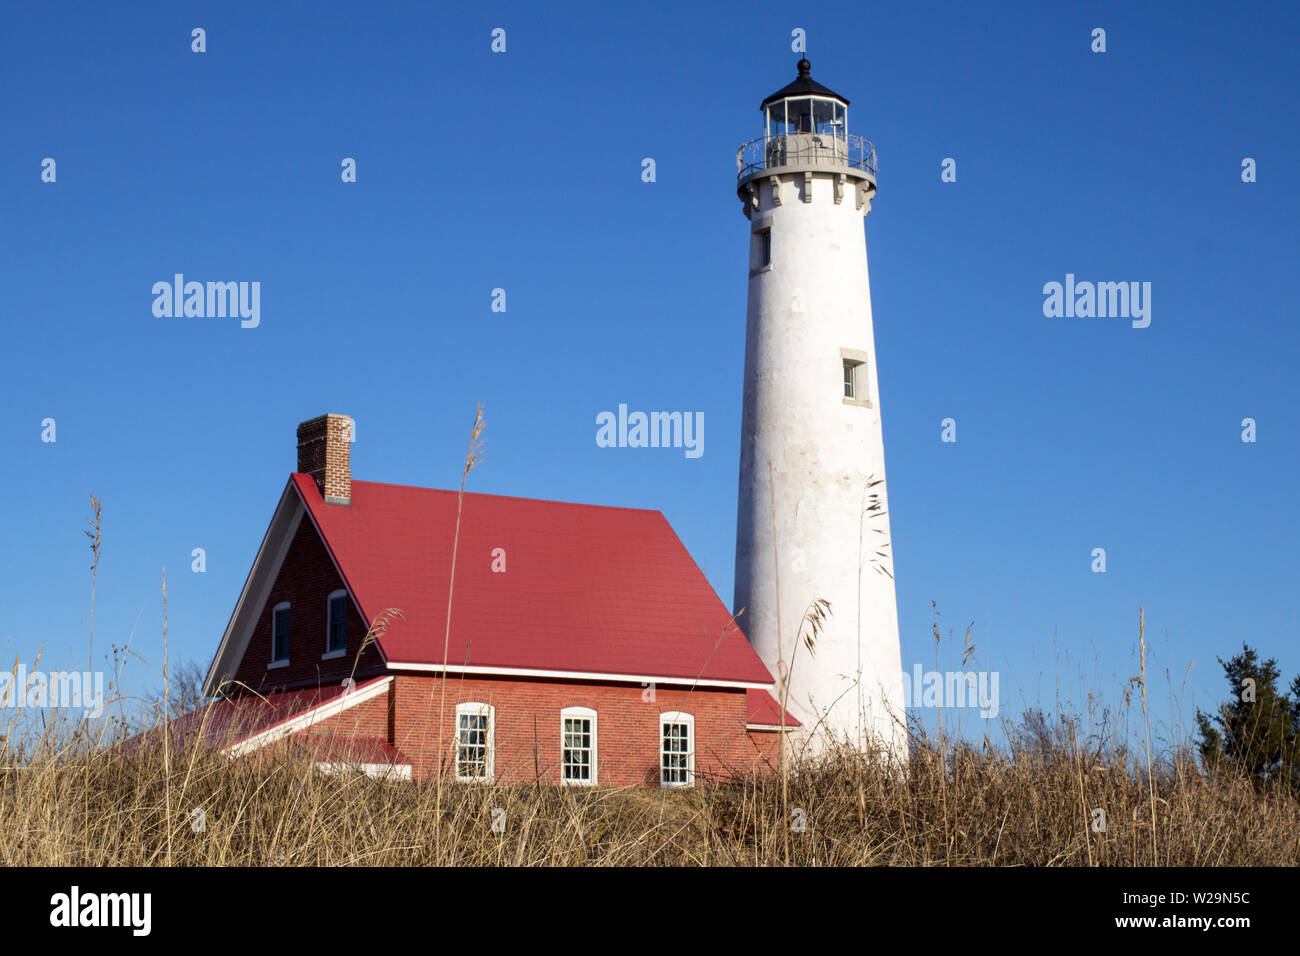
[760, 250]
[854, 380]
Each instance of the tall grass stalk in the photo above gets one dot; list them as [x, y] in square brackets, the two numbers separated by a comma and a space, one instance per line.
[1146, 724]
[472, 457]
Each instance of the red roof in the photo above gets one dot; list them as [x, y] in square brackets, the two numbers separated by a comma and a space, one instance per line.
[587, 589]
[764, 711]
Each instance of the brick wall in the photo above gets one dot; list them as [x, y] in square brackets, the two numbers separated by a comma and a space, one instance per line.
[765, 744]
[527, 730]
[306, 579]
[366, 719]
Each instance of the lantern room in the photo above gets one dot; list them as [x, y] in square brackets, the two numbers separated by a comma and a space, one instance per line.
[805, 106]
[805, 126]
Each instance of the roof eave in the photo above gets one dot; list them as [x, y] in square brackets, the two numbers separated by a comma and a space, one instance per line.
[800, 89]
[556, 674]
[279, 517]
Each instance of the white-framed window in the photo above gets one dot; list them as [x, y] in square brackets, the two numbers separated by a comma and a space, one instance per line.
[475, 727]
[855, 379]
[280, 634]
[676, 749]
[578, 745]
[336, 624]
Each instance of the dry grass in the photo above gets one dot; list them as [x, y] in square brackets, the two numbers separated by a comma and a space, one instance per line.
[1029, 803]
[92, 793]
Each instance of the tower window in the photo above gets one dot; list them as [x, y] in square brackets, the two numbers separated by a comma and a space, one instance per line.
[760, 256]
[855, 379]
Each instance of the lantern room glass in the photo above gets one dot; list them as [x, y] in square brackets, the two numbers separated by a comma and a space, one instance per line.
[807, 114]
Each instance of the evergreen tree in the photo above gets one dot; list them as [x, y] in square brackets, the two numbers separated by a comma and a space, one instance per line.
[1256, 732]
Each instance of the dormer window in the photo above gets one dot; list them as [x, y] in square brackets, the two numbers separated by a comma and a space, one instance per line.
[280, 635]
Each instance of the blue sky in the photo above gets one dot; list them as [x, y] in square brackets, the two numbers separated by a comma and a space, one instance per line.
[522, 171]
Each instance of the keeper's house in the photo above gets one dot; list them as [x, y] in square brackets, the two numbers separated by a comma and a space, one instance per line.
[585, 647]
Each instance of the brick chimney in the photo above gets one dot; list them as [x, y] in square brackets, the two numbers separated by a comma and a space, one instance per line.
[325, 453]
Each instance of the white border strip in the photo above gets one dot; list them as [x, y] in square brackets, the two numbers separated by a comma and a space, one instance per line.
[578, 675]
[376, 771]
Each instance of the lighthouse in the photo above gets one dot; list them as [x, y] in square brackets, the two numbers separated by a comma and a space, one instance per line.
[814, 558]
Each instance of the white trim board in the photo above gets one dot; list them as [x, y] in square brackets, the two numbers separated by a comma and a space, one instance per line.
[376, 771]
[577, 675]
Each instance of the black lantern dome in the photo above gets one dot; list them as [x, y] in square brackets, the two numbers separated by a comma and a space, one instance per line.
[804, 85]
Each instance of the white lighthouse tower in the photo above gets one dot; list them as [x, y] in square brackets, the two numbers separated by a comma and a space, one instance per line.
[812, 516]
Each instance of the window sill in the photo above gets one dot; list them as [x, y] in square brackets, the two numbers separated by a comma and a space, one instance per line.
[274, 664]
[766, 268]
[860, 403]
[333, 655]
